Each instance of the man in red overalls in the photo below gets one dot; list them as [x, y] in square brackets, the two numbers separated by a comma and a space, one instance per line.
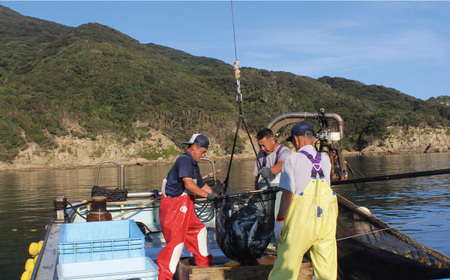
[179, 224]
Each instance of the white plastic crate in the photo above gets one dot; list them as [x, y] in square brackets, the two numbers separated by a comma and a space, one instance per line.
[119, 269]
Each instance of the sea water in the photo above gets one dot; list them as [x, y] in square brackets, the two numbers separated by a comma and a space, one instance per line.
[419, 206]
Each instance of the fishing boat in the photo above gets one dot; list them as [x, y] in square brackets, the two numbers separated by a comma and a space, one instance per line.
[115, 234]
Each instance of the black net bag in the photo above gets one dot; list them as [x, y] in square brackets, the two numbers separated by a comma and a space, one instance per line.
[244, 224]
[111, 195]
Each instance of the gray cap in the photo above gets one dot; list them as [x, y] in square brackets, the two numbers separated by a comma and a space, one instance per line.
[199, 139]
[300, 129]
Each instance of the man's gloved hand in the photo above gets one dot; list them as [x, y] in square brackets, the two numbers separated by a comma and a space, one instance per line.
[212, 196]
[218, 187]
[265, 172]
[277, 230]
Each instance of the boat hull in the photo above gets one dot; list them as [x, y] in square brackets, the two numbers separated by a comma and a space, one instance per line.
[374, 254]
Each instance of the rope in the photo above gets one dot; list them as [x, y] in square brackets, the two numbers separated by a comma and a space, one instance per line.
[204, 211]
[237, 75]
[225, 189]
[383, 229]
[241, 118]
[76, 209]
[237, 72]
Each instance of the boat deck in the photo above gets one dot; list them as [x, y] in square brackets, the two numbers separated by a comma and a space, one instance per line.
[188, 271]
[158, 242]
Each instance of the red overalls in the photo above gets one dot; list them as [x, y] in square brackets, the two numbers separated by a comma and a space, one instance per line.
[180, 227]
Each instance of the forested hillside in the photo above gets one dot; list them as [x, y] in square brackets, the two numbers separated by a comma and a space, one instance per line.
[93, 81]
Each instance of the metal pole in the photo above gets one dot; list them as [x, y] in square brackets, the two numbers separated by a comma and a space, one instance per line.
[392, 177]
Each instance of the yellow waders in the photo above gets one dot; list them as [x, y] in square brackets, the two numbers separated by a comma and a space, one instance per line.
[309, 224]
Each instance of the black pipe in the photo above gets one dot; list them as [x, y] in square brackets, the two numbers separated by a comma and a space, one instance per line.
[392, 177]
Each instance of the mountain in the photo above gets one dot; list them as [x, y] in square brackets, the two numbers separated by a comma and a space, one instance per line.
[93, 82]
[443, 99]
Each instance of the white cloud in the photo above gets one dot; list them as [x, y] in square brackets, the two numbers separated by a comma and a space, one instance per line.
[344, 47]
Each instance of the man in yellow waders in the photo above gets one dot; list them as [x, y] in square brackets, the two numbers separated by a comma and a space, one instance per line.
[308, 211]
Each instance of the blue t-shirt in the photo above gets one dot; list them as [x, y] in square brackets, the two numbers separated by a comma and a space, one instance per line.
[184, 166]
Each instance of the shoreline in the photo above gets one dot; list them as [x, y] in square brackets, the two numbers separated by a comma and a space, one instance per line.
[239, 158]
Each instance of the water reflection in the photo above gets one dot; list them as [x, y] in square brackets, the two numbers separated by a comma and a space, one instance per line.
[28, 197]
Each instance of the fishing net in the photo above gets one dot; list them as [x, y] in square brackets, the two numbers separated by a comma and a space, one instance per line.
[111, 195]
[368, 248]
[244, 224]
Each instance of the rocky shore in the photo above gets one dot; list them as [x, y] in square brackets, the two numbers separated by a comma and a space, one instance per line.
[72, 152]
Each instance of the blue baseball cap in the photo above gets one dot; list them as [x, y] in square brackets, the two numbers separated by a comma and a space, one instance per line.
[199, 139]
[300, 129]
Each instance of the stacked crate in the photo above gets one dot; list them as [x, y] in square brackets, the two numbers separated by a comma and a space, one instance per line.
[103, 250]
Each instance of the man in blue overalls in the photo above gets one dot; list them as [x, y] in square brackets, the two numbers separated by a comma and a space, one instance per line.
[271, 158]
[308, 211]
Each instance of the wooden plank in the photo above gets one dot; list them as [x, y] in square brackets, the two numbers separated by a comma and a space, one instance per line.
[187, 271]
[306, 271]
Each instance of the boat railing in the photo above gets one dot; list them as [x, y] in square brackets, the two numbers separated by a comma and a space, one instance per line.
[154, 193]
[120, 173]
[213, 168]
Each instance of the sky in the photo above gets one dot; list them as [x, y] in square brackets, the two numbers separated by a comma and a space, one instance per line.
[403, 45]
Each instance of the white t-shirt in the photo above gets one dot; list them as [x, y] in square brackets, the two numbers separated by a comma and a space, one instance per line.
[271, 161]
[296, 172]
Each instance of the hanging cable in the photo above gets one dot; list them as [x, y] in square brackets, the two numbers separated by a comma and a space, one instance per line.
[237, 72]
[237, 75]
[234, 32]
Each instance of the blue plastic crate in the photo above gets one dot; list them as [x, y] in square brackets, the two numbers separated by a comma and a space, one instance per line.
[98, 241]
[133, 268]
